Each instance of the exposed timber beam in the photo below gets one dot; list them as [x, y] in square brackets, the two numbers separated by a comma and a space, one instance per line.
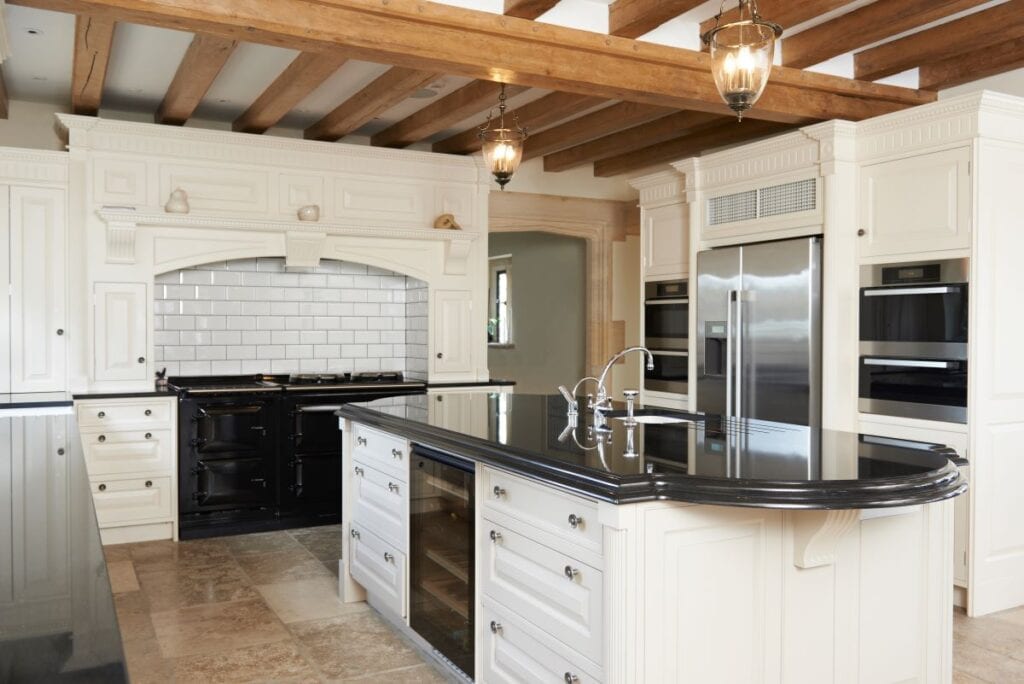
[987, 60]
[666, 128]
[528, 9]
[863, 26]
[199, 67]
[728, 133]
[634, 18]
[786, 13]
[468, 100]
[540, 113]
[93, 39]
[445, 39]
[942, 42]
[390, 88]
[590, 126]
[299, 79]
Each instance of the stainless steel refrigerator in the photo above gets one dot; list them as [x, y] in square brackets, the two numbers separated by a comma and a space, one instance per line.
[759, 331]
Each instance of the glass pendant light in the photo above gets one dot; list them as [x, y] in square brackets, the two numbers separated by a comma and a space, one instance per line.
[502, 146]
[742, 52]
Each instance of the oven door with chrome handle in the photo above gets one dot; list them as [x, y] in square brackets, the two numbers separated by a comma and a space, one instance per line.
[915, 320]
[929, 389]
[667, 324]
[670, 372]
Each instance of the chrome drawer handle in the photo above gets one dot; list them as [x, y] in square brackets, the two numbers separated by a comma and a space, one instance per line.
[570, 678]
[498, 492]
[495, 627]
[392, 487]
[149, 412]
[495, 536]
[571, 572]
[101, 414]
[102, 438]
[359, 471]
[361, 441]
[388, 558]
[575, 520]
[355, 534]
[149, 435]
[397, 453]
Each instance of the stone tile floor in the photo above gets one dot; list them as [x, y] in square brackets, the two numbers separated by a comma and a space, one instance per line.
[252, 608]
[265, 608]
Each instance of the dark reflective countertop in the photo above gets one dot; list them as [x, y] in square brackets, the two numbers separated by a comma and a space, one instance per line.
[35, 400]
[57, 619]
[705, 459]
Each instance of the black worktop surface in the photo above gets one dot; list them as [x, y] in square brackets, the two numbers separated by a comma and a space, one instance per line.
[708, 459]
[57, 620]
[35, 400]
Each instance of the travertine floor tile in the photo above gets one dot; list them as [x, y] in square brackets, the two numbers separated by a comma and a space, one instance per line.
[310, 599]
[282, 566]
[117, 552]
[332, 567]
[146, 664]
[122, 576]
[264, 542]
[986, 665]
[216, 627]
[189, 586]
[133, 616]
[354, 645]
[964, 678]
[419, 674]
[165, 555]
[323, 542]
[278, 662]
[996, 633]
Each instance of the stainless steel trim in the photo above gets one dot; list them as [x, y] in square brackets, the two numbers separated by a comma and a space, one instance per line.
[950, 271]
[670, 386]
[902, 443]
[667, 343]
[908, 363]
[739, 354]
[906, 409]
[662, 302]
[940, 350]
[659, 352]
[900, 291]
[729, 347]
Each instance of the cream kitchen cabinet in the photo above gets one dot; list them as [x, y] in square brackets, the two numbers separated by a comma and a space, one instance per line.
[453, 332]
[5, 302]
[119, 329]
[666, 242]
[916, 205]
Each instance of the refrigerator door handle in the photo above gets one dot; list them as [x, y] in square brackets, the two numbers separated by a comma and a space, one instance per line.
[728, 352]
[738, 374]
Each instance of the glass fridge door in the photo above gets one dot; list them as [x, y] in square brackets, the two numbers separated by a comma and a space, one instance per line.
[441, 539]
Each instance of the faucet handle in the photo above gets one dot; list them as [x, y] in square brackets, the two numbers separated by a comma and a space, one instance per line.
[630, 394]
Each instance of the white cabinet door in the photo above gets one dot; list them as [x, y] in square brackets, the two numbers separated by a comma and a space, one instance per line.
[666, 242]
[5, 297]
[916, 205]
[6, 521]
[120, 331]
[38, 274]
[453, 332]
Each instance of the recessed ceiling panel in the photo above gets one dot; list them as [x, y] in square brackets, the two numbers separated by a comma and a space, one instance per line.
[143, 62]
[42, 47]
[247, 73]
[352, 77]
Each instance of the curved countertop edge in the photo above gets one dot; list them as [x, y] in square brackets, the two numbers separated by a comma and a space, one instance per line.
[892, 492]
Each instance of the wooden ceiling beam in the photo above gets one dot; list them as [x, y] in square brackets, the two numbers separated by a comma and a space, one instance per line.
[540, 113]
[590, 126]
[304, 75]
[94, 37]
[387, 90]
[468, 100]
[786, 13]
[444, 39]
[634, 18]
[869, 24]
[970, 66]
[528, 9]
[729, 133]
[199, 67]
[639, 137]
[942, 42]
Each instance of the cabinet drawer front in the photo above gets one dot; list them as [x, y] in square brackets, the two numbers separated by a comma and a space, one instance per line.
[546, 587]
[512, 654]
[117, 414]
[545, 508]
[128, 452]
[379, 567]
[380, 503]
[120, 502]
[381, 450]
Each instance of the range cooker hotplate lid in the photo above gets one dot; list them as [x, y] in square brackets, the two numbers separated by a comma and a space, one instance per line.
[220, 381]
[318, 378]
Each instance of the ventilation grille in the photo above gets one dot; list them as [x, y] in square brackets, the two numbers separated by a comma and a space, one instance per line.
[775, 200]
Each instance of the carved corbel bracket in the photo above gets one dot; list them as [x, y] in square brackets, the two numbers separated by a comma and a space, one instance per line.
[121, 242]
[456, 256]
[303, 249]
[816, 534]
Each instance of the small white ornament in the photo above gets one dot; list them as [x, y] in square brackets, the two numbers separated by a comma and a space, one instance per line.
[310, 212]
[178, 202]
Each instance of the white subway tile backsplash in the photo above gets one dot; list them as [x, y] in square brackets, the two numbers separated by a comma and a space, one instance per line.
[254, 315]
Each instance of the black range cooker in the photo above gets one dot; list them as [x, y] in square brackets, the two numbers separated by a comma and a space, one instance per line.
[263, 452]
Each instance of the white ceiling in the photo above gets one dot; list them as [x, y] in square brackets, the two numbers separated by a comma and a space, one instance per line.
[144, 61]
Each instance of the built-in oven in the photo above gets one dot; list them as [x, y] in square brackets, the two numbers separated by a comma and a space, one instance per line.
[667, 316]
[913, 340]
[670, 372]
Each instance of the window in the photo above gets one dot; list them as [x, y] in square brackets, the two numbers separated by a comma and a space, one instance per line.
[499, 324]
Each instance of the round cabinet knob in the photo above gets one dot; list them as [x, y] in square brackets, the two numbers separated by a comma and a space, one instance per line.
[397, 453]
[575, 520]
[862, 232]
[440, 355]
[570, 678]
[388, 558]
[102, 414]
[149, 412]
[355, 534]
[498, 492]
[571, 572]
[149, 435]
[142, 359]
[102, 438]
[60, 452]
[495, 536]
[102, 488]
[149, 483]
[60, 331]
[495, 627]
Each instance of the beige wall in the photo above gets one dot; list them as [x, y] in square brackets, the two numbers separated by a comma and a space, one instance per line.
[547, 277]
[626, 307]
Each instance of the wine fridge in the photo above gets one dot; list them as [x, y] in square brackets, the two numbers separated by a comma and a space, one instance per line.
[441, 560]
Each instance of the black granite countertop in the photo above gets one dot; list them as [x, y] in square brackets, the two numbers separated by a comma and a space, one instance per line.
[155, 392]
[57, 619]
[35, 400]
[706, 459]
[473, 383]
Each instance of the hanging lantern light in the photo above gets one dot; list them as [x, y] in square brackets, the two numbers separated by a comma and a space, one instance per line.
[742, 53]
[502, 146]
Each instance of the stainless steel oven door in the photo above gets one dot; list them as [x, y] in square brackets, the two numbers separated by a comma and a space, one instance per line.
[929, 389]
[667, 324]
[670, 372]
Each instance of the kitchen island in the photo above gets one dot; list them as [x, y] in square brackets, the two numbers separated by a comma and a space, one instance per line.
[700, 550]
